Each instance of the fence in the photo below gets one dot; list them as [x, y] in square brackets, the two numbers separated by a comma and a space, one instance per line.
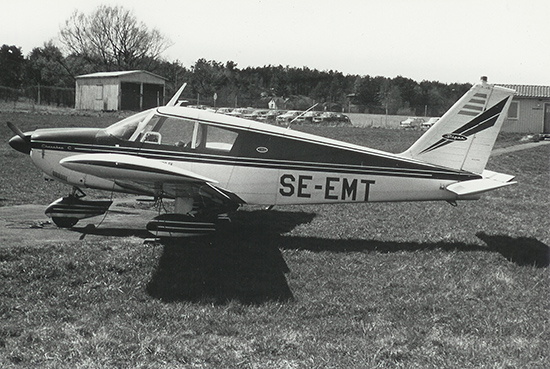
[40, 95]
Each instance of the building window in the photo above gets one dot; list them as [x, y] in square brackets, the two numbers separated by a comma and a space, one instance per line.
[513, 111]
[99, 92]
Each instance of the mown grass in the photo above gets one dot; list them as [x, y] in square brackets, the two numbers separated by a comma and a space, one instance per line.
[371, 285]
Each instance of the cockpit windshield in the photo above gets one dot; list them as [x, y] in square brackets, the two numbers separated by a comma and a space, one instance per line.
[154, 127]
[126, 127]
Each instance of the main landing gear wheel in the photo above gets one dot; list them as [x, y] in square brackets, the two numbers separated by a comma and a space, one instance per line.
[63, 222]
[180, 225]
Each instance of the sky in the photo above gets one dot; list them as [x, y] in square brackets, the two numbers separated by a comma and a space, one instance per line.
[435, 40]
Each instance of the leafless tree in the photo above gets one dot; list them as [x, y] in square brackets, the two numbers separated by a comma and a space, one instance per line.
[113, 38]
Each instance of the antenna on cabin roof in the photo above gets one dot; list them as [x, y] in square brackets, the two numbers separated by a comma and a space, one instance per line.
[299, 115]
[174, 100]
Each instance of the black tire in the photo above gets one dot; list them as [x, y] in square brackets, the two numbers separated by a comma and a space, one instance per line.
[63, 222]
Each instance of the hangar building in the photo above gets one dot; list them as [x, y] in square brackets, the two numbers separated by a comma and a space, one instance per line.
[127, 90]
[529, 111]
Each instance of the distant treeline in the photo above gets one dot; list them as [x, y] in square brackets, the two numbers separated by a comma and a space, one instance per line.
[215, 83]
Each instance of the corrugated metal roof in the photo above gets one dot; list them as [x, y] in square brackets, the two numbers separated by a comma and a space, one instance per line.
[117, 74]
[530, 91]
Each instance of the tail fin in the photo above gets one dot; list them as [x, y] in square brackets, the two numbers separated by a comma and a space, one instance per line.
[464, 137]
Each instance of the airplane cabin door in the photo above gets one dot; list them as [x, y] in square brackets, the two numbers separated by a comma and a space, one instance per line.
[172, 140]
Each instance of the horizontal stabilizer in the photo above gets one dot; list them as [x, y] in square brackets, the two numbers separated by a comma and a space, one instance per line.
[129, 167]
[495, 176]
[490, 181]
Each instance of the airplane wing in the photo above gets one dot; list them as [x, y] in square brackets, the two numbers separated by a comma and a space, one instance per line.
[149, 176]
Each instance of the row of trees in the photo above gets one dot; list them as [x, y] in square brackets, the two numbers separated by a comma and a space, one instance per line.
[111, 39]
[332, 89]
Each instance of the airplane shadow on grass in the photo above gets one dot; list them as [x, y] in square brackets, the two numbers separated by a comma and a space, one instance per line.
[244, 261]
[524, 251]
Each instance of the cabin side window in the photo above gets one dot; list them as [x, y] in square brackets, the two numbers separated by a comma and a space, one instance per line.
[186, 133]
[219, 139]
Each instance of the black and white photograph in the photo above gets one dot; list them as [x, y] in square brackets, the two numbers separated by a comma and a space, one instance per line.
[275, 184]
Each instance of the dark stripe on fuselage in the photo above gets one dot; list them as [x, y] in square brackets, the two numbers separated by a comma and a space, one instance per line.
[131, 167]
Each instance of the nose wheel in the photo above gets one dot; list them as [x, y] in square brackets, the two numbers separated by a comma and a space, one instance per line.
[67, 211]
[64, 222]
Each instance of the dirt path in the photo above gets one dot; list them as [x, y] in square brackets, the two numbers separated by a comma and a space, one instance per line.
[27, 224]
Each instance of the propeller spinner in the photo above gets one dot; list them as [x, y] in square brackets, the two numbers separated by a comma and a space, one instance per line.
[21, 142]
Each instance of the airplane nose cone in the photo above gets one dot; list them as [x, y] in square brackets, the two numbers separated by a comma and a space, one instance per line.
[20, 144]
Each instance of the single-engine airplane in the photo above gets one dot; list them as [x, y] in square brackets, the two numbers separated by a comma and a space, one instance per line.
[211, 164]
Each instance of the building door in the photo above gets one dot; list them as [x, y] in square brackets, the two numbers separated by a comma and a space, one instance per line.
[130, 96]
[546, 128]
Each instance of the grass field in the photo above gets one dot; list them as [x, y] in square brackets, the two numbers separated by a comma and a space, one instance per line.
[402, 285]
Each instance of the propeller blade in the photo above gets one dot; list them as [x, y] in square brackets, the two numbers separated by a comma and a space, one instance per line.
[17, 131]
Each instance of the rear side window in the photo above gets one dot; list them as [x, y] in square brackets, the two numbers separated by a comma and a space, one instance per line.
[219, 139]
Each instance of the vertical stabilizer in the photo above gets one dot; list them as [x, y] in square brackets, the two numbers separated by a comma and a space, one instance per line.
[464, 137]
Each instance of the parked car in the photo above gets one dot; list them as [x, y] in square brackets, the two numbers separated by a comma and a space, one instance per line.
[224, 110]
[430, 122]
[202, 107]
[411, 122]
[342, 119]
[256, 114]
[270, 116]
[307, 117]
[288, 116]
[321, 117]
[240, 112]
[330, 118]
